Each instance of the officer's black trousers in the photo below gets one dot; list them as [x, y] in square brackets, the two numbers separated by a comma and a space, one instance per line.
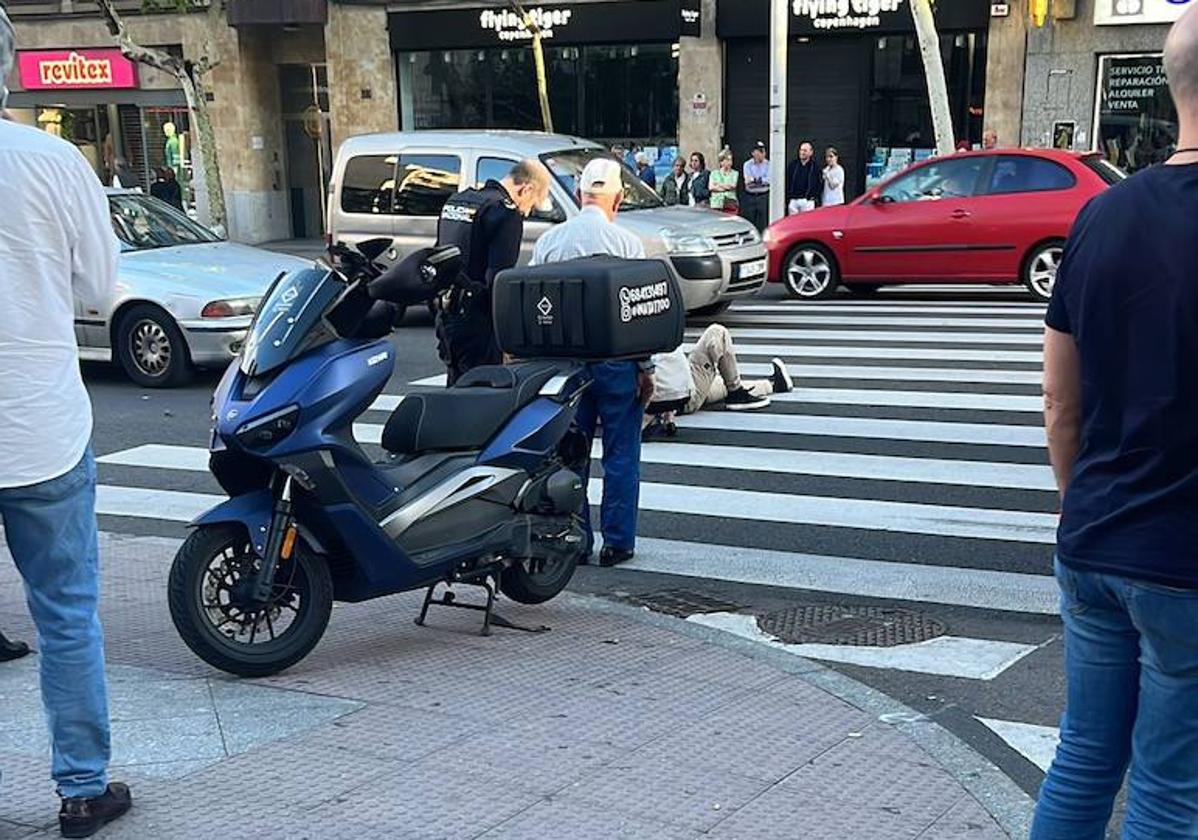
[465, 342]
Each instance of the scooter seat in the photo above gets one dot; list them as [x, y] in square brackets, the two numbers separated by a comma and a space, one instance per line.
[467, 415]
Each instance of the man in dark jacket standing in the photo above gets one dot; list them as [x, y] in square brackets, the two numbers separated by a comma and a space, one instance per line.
[1121, 410]
[804, 181]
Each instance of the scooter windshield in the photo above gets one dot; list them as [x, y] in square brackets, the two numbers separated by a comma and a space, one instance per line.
[290, 319]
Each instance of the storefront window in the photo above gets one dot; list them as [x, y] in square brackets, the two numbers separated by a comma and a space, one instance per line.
[615, 93]
[1135, 118]
[899, 119]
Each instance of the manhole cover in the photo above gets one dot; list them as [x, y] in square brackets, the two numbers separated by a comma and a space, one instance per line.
[680, 602]
[836, 624]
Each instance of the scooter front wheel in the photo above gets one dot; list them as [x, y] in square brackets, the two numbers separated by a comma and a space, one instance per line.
[208, 588]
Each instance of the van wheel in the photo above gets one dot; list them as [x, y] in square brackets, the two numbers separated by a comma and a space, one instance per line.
[810, 272]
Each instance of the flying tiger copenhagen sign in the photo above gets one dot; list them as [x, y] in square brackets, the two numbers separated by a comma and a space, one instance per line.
[100, 69]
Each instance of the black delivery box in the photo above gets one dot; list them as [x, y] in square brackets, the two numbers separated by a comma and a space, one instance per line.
[593, 309]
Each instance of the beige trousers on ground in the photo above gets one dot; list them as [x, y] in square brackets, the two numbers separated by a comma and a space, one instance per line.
[715, 372]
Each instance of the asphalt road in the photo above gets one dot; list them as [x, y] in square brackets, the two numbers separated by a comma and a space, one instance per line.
[908, 473]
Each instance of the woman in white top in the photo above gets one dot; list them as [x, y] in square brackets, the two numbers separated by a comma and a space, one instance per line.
[833, 179]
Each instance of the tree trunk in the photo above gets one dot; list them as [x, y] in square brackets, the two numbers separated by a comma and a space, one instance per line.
[204, 148]
[538, 55]
[190, 76]
[538, 59]
[933, 67]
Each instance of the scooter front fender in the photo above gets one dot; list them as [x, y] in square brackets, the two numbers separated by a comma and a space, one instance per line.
[252, 510]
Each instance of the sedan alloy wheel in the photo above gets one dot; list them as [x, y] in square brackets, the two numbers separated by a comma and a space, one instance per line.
[811, 273]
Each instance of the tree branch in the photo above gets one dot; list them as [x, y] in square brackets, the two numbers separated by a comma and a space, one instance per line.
[130, 48]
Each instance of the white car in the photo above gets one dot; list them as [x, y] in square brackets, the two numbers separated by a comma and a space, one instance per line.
[184, 296]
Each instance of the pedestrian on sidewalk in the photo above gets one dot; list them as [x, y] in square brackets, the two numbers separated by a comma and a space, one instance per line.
[1121, 409]
[756, 207]
[645, 170]
[833, 177]
[723, 183]
[804, 183]
[56, 240]
[699, 192]
[709, 374]
[675, 188]
[619, 390]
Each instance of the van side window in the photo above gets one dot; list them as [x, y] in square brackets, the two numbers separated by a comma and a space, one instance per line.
[423, 183]
[492, 169]
[369, 185]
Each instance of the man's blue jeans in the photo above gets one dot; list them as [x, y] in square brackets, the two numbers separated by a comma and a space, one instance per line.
[1131, 664]
[51, 531]
[612, 399]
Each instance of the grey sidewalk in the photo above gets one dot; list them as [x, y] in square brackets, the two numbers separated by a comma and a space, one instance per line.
[610, 726]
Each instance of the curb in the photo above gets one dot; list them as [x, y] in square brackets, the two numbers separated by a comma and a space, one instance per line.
[1005, 801]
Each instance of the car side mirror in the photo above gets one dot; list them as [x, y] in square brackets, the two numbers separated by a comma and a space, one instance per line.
[882, 198]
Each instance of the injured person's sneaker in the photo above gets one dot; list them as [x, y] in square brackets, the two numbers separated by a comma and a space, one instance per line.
[783, 384]
[83, 816]
[744, 400]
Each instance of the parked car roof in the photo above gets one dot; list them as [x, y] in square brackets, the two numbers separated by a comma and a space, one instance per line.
[527, 143]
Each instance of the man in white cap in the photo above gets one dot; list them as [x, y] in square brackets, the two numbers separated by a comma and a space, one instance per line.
[56, 242]
[620, 390]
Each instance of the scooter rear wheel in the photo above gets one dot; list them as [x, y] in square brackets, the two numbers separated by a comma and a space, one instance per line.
[206, 592]
[537, 581]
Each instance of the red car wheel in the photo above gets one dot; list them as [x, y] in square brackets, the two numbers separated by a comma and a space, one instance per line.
[810, 272]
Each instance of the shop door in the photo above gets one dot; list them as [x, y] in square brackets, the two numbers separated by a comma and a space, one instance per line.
[826, 83]
[308, 147]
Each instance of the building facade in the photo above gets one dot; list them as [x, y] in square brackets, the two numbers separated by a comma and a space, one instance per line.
[292, 79]
[1095, 80]
[672, 76]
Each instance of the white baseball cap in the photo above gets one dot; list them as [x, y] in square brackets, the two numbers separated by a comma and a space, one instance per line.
[601, 177]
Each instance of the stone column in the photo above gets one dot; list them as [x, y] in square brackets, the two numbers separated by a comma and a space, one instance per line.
[700, 90]
[1006, 58]
[247, 118]
[362, 91]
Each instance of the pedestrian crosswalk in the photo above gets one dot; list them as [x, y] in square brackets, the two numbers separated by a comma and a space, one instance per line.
[909, 464]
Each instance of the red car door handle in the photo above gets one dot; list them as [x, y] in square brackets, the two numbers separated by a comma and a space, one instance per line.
[961, 214]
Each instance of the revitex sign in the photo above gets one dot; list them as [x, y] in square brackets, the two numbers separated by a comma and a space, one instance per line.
[75, 69]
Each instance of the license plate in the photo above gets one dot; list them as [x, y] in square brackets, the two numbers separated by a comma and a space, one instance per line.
[751, 269]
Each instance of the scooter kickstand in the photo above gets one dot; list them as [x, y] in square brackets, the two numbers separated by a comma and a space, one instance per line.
[428, 602]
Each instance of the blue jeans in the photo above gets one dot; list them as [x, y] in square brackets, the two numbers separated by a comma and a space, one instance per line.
[612, 399]
[1131, 664]
[51, 531]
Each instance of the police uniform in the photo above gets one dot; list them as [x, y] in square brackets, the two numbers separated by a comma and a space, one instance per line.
[485, 224]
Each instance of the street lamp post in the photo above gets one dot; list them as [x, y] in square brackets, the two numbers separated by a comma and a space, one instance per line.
[779, 37]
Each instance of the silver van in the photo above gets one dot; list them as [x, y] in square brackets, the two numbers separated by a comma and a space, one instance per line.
[395, 185]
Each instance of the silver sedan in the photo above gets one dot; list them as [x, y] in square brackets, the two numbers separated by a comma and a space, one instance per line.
[184, 296]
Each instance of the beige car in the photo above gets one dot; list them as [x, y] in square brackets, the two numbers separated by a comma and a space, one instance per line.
[395, 185]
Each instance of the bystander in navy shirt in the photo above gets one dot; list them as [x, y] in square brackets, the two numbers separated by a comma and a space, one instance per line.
[1127, 291]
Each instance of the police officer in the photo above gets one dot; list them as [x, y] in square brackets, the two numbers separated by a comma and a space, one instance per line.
[619, 390]
[487, 224]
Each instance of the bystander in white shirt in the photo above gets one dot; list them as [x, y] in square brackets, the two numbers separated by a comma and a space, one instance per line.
[56, 244]
[833, 186]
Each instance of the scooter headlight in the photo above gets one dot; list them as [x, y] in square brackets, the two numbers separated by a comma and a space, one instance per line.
[269, 430]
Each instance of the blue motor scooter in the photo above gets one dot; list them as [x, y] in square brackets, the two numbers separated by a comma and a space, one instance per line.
[480, 483]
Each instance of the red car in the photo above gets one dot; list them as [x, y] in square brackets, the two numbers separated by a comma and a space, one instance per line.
[998, 216]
